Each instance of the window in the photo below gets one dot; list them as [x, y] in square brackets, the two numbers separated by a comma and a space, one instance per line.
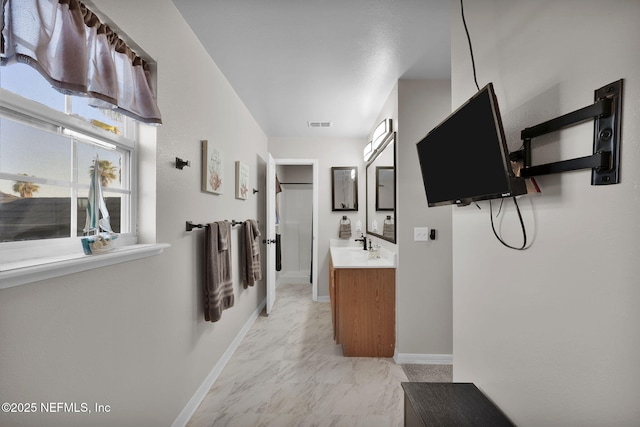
[47, 145]
[48, 139]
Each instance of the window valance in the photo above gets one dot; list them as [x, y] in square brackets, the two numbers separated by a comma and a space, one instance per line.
[79, 55]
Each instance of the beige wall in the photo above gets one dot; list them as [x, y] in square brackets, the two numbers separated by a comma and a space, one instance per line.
[424, 275]
[551, 333]
[132, 335]
[424, 272]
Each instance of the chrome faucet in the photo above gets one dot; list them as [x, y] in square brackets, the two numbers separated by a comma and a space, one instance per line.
[363, 240]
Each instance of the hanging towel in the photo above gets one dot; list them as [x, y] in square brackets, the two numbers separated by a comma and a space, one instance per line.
[223, 237]
[345, 229]
[278, 252]
[250, 263]
[218, 280]
[388, 229]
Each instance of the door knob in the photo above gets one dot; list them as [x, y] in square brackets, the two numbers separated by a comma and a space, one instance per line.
[269, 241]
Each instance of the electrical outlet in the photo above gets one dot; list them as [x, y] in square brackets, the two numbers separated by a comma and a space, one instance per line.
[420, 234]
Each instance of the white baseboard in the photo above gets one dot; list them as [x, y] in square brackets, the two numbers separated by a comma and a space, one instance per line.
[423, 359]
[324, 298]
[200, 394]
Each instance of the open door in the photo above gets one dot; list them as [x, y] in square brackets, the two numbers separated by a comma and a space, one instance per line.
[270, 238]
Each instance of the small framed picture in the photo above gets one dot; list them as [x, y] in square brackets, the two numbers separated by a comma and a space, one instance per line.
[242, 181]
[212, 168]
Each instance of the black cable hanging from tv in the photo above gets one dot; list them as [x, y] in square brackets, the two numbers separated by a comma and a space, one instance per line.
[466, 30]
[475, 79]
[524, 231]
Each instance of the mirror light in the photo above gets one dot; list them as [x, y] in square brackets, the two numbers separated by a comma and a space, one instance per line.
[367, 152]
[380, 133]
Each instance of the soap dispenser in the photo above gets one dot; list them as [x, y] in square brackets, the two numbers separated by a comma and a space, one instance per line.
[374, 250]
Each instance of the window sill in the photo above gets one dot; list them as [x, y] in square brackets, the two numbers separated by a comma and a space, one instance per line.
[28, 271]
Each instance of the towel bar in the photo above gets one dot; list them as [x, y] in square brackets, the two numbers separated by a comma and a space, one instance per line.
[190, 225]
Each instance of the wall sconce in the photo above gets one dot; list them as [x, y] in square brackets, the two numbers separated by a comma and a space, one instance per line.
[380, 133]
[180, 164]
[379, 139]
[367, 152]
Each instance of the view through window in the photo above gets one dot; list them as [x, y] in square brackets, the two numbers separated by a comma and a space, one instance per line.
[48, 143]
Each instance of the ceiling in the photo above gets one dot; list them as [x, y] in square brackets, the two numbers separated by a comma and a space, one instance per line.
[295, 61]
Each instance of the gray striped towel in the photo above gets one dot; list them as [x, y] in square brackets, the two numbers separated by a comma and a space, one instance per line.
[250, 262]
[345, 230]
[218, 280]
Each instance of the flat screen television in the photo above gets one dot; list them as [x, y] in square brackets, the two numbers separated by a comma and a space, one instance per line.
[465, 158]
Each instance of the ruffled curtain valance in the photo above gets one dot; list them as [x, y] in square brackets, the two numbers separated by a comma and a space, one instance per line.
[78, 55]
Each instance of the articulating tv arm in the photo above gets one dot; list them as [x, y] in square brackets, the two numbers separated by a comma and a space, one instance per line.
[605, 161]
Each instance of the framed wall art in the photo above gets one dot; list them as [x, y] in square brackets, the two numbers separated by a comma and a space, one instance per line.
[212, 168]
[242, 180]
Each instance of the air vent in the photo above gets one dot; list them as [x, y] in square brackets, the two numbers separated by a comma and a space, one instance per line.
[319, 124]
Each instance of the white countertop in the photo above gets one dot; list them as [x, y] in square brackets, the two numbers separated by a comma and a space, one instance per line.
[349, 256]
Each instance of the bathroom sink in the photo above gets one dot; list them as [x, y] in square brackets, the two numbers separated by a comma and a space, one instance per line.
[356, 257]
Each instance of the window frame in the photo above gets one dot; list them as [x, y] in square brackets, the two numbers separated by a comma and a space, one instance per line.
[19, 254]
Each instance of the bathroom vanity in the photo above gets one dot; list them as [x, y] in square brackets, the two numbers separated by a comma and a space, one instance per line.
[363, 301]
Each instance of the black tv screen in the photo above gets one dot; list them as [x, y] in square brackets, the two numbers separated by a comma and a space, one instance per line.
[465, 158]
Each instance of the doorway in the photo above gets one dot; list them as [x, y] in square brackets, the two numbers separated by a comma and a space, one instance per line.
[294, 229]
[300, 226]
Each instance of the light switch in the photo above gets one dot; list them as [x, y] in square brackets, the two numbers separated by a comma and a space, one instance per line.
[420, 234]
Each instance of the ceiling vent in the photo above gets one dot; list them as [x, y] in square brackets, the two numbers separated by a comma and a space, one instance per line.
[319, 124]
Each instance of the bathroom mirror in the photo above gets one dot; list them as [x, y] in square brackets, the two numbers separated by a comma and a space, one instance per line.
[385, 188]
[344, 188]
[381, 192]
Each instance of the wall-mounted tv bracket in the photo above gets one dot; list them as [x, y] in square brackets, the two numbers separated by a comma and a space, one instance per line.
[605, 161]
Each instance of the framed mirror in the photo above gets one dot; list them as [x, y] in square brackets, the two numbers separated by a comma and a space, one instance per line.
[381, 192]
[344, 188]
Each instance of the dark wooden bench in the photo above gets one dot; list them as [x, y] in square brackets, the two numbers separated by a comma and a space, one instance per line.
[449, 404]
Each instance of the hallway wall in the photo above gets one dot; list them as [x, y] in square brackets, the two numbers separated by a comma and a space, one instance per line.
[424, 272]
[133, 335]
[550, 334]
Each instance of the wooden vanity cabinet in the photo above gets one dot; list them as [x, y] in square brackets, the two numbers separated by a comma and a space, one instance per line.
[332, 297]
[363, 303]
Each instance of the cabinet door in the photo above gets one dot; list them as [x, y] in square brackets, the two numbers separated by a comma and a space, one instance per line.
[365, 307]
[332, 297]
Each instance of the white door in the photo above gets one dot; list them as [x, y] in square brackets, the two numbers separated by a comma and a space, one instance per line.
[271, 233]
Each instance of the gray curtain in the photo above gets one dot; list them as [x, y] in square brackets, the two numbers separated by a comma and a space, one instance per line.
[78, 55]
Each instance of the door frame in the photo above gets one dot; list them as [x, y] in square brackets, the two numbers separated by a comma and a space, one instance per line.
[314, 219]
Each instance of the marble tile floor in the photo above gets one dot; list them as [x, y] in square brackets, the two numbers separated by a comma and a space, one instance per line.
[288, 371]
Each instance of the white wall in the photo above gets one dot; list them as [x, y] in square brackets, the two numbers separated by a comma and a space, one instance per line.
[133, 336]
[329, 152]
[551, 334]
